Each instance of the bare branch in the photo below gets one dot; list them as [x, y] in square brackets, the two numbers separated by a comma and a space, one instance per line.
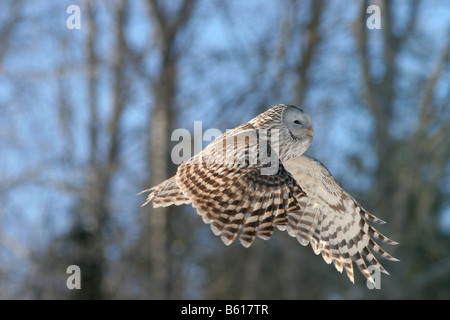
[426, 102]
[118, 86]
[312, 29]
[92, 88]
[7, 28]
[361, 41]
[167, 26]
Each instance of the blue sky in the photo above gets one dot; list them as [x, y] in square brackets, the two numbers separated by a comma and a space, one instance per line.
[32, 140]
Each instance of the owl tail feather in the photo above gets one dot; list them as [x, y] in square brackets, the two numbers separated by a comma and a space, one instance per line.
[165, 194]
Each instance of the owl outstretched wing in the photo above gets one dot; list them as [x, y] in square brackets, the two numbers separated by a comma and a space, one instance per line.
[225, 184]
[333, 222]
[237, 199]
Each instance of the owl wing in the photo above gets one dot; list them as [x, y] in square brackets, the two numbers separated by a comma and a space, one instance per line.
[229, 191]
[237, 198]
[224, 182]
[332, 221]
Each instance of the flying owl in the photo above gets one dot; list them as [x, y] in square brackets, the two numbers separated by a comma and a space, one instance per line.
[256, 177]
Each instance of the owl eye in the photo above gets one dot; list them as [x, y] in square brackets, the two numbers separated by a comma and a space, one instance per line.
[297, 122]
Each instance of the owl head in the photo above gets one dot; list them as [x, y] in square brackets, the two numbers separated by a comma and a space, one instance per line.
[294, 129]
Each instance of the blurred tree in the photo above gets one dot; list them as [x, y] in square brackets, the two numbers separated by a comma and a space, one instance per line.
[410, 168]
[91, 212]
[155, 242]
[87, 117]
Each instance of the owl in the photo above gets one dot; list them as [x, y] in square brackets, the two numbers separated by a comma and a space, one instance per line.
[256, 177]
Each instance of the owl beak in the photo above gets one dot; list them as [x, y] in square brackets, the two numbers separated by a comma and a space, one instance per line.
[310, 132]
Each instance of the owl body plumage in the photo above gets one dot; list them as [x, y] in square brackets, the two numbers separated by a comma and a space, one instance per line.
[229, 185]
